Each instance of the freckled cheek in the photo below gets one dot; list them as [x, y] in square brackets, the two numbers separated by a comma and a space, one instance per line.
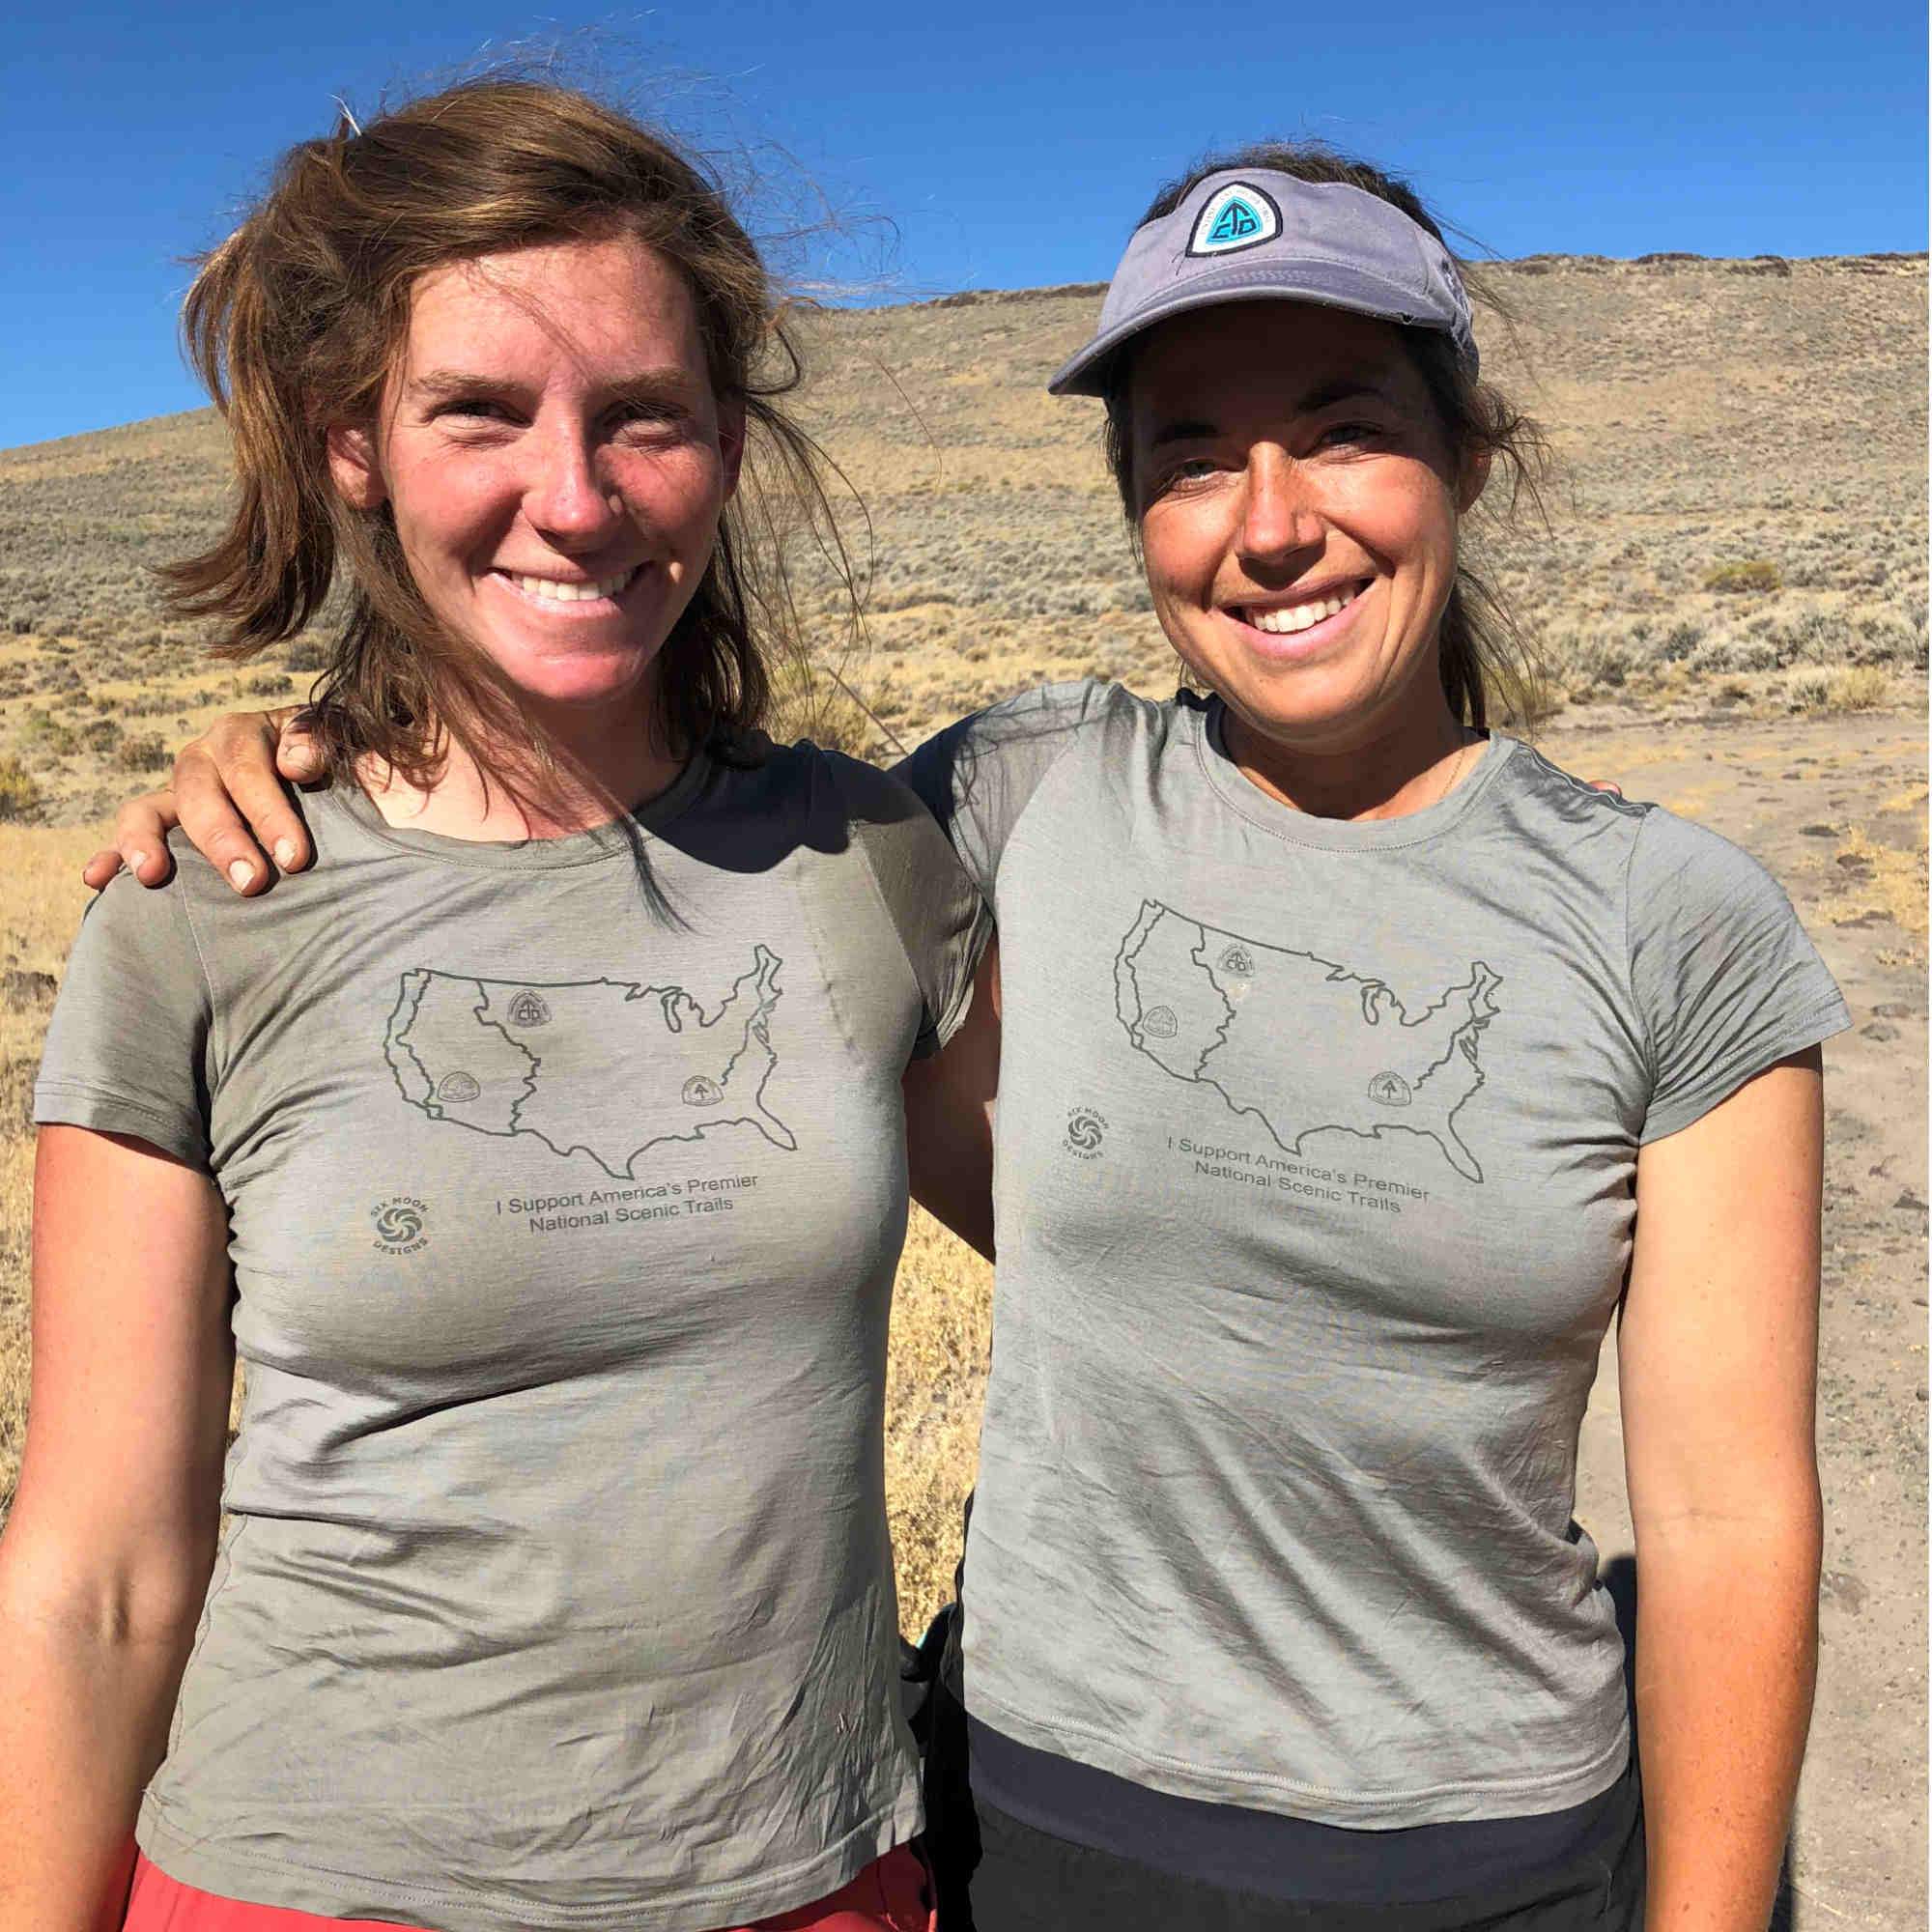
[1183, 556]
[680, 498]
[443, 509]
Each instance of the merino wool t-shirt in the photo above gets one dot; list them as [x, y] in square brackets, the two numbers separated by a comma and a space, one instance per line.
[1315, 1152]
[566, 1182]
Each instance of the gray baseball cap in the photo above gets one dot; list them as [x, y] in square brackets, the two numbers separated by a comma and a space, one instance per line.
[1253, 234]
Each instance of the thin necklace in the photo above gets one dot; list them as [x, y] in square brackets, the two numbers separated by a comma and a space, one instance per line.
[1454, 771]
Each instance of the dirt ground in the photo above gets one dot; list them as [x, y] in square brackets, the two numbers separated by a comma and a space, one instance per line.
[1836, 808]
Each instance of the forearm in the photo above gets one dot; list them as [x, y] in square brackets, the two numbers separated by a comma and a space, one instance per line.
[1727, 1655]
[83, 1722]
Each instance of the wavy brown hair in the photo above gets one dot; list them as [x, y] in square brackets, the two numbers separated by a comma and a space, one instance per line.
[1489, 667]
[295, 322]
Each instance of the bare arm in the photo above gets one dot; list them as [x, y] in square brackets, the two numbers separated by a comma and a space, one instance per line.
[1718, 1360]
[107, 1551]
[949, 1108]
[227, 796]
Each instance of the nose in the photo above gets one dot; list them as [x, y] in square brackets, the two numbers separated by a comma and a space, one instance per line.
[1278, 512]
[565, 496]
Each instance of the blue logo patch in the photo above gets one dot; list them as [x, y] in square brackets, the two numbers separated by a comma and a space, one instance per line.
[1238, 215]
[1235, 222]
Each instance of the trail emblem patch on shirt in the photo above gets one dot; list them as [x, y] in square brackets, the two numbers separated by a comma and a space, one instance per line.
[1239, 215]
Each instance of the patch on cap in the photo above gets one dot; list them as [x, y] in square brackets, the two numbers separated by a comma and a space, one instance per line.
[1239, 215]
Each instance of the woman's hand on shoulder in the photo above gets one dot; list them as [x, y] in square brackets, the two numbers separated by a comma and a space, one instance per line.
[227, 796]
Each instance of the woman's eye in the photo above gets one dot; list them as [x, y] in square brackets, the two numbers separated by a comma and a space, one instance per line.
[1339, 436]
[646, 418]
[483, 409]
[1192, 470]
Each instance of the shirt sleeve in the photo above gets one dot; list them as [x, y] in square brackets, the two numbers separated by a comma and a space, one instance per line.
[127, 1049]
[978, 777]
[1727, 981]
[935, 907]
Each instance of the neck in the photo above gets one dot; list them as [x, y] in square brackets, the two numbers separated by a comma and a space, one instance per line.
[1404, 769]
[601, 768]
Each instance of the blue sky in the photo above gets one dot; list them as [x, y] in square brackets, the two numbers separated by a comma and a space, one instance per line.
[1001, 145]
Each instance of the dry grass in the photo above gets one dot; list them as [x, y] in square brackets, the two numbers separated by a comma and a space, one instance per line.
[43, 904]
[935, 1382]
[1879, 878]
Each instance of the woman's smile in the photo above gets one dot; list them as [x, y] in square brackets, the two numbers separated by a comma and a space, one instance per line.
[1290, 629]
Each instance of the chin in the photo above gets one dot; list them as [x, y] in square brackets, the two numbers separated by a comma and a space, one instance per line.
[585, 676]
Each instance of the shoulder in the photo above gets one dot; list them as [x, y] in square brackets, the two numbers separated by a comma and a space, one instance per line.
[1656, 850]
[1014, 743]
[1062, 713]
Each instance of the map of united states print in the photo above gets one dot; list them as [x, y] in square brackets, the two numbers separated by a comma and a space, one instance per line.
[1304, 1045]
[600, 1068]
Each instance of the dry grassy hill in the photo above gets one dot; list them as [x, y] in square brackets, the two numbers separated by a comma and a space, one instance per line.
[1731, 593]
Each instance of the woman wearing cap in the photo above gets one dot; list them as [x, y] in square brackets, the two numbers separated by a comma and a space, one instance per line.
[1360, 1066]
[540, 1150]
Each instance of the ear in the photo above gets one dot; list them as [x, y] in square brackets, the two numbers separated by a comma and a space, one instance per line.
[353, 470]
[1475, 479]
[731, 440]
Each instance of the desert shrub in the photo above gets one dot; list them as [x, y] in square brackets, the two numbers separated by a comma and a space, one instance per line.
[1864, 688]
[145, 754]
[1592, 660]
[44, 732]
[304, 654]
[1752, 573]
[1679, 642]
[1810, 692]
[20, 794]
[100, 735]
[266, 684]
[1817, 636]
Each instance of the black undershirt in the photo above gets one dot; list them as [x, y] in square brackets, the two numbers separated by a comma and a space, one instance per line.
[1277, 1856]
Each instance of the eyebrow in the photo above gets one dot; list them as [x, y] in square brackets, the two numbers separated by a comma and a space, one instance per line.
[1323, 396]
[644, 386]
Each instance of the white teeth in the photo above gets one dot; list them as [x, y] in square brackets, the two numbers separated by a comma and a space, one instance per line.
[1299, 616]
[550, 591]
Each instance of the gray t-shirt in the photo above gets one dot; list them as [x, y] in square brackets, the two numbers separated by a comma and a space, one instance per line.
[1316, 1148]
[565, 1214]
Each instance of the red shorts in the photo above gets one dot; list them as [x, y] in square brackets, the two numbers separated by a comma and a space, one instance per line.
[890, 1895]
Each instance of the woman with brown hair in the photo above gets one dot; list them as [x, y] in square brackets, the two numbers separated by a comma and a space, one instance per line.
[539, 1152]
[1359, 1067]
[1404, 1061]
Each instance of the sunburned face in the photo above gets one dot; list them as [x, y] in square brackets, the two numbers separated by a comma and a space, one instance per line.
[1297, 511]
[556, 462]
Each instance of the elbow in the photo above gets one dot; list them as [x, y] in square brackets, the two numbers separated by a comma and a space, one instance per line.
[104, 1603]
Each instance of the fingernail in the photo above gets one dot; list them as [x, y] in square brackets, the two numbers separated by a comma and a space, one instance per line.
[285, 852]
[240, 874]
[137, 859]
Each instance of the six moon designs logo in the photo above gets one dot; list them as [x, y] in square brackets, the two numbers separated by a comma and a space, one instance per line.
[1086, 1130]
[400, 1224]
